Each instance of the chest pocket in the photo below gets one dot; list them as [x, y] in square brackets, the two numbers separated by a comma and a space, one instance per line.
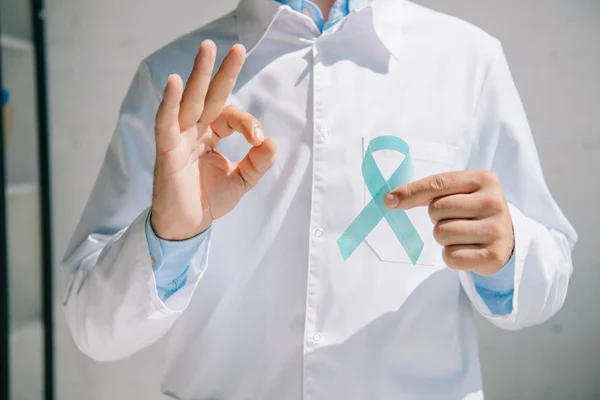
[428, 158]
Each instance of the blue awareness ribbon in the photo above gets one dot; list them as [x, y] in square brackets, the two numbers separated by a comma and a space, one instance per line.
[376, 210]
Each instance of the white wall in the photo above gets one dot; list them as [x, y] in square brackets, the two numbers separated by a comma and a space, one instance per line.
[554, 49]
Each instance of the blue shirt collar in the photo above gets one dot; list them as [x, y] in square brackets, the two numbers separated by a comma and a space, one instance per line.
[255, 18]
[339, 10]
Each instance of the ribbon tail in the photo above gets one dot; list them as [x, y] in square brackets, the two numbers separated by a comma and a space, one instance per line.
[406, 233]
[359, 229]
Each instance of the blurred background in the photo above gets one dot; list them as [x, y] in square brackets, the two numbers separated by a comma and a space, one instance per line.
[92, 50]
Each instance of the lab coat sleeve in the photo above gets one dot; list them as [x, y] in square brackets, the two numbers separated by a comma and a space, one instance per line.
[544, 238]
[111, 302]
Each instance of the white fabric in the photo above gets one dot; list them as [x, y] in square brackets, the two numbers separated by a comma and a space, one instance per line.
[274, 312]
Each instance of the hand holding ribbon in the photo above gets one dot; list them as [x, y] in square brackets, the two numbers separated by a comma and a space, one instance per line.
[471, 217]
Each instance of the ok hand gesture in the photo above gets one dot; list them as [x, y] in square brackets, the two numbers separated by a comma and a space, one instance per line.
[193, 183]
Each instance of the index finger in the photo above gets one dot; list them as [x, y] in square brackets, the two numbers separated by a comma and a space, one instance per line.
[234, 119]
[424, 191]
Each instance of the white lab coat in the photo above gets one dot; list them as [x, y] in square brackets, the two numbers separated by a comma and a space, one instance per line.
[270, 309]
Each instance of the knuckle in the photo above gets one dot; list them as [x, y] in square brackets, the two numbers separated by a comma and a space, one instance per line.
[440, 231]
[434, 210]
[439, 209]
[210, 116]
[492, 203]
[213, 108]
[194, 103]
[437, 206]
[495, 255]
[403, 192]
[450, 258]
[248, 121]
[192, 100]
[205, 120]
[230, 111]
[495, 230]
[230, 71]
[439, 182]
[488, 177]
[433, 206]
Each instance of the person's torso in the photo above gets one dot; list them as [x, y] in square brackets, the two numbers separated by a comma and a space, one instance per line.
[279, 314]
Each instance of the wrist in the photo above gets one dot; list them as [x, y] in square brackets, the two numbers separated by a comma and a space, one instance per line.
[171, 229]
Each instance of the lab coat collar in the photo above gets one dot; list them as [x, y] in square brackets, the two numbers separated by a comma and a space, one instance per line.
[255, 18]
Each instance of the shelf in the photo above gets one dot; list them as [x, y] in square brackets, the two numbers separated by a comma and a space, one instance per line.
[15, 43]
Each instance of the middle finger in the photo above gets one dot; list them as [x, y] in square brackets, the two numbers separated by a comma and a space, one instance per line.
[222, 84]
[452, 232]
[463, 206]
[194, 96]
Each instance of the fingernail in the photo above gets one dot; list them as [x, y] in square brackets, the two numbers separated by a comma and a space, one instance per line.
[392, 201]
[258, 133]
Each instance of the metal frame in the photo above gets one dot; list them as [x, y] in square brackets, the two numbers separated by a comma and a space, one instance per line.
[38, 16]
[4, 294]
[38, 23]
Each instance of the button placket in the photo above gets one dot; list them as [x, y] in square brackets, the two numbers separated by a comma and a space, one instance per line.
[315, 263]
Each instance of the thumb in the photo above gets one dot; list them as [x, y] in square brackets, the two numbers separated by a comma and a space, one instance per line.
[257, 162]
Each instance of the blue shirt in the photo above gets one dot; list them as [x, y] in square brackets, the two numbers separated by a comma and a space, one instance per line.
[339, 10]
[171, 259]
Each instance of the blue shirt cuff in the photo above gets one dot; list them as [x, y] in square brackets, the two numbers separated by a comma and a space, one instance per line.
[171, 260]
[497, 290]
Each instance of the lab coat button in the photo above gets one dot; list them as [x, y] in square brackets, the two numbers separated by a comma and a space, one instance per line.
[319, 232]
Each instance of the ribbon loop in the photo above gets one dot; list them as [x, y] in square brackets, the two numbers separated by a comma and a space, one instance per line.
[376, 210]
